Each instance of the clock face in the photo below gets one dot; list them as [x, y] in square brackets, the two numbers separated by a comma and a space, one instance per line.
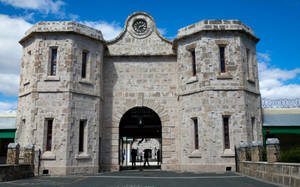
[139, 26]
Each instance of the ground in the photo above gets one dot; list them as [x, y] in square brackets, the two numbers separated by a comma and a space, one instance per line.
[148, 178]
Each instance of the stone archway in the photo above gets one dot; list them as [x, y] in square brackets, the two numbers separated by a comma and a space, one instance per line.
[111, 142]
[140, 130]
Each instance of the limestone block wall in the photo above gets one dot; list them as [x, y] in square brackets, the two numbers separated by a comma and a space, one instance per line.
[35, 83]
[53, 160]
[285, 174]
[209, 107]
[87, 108]
[140, 81]
[252, 94]
[249, 64]
[47, 97]
[253, 117]
[60, 97]
[85, 104]
[208, 73]
[92, 84]
[211, 94]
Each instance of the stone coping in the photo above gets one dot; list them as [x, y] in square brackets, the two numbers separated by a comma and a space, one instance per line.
[272, 141]
[256, 143]
[215, 25]
[13, 145]
[29, 147]
[63, 26]
[244, 144]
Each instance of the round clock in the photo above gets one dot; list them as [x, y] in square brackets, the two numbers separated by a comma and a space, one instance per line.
[139, 26]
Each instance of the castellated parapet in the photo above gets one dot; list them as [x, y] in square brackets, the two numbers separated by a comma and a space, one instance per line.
[75, 87]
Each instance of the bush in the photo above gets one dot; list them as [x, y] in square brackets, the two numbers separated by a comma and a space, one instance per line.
[264, 155]
[290, 156]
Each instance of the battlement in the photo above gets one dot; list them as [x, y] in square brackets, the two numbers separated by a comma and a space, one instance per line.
[63, 26]
[215, 25]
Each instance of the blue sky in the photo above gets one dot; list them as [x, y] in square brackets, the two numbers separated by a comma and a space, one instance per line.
[275, 22]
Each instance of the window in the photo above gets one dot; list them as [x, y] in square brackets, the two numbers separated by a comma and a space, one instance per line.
[253, 127]
[249, 64]
[196, 135]
[82, 127]
[83, 65]
[49, 123]
[247, 55]
[226, 132]
[193, 62]
[222, 58]
[53, 61]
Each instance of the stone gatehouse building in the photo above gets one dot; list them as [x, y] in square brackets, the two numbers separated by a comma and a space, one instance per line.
[82, 97]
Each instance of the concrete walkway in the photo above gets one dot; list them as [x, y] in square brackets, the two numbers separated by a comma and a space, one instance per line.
[147, 178]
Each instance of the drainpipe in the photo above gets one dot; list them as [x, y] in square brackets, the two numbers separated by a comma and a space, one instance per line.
[39, 162]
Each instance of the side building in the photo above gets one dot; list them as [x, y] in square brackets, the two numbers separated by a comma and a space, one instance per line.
[7, 133]
[82, 98]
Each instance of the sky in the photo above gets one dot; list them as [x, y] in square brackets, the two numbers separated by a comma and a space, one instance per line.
[275, 22]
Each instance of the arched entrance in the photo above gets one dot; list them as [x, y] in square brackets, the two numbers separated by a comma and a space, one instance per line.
[140, 132]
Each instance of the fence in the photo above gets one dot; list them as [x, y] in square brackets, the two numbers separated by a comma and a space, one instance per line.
[250, 163]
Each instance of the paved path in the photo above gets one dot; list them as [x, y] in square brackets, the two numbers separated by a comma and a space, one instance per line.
[141, 179]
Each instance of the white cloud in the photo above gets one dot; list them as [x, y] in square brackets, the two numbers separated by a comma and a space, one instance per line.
[44, 6]
[11, 30]
[8, 107]
[264, 57]
[274, 81]
[9, 84]
[109, 30]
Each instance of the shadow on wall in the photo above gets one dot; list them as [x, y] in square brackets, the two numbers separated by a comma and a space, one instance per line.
[109, 143]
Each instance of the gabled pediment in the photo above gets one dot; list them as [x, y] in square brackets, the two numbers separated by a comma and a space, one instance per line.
[139, 37]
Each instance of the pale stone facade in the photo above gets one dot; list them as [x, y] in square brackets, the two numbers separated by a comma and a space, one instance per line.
[138, 68]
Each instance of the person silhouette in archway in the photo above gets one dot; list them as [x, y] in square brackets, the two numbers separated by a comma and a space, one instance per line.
[146, 157]
[133, 157]
[158, 157]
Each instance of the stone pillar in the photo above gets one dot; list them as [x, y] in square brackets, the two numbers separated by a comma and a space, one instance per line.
[273, 149]
[256, 151]
[29, 154]
[13, 152]
[242, 151]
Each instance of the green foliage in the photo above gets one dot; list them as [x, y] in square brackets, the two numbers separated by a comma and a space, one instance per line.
[264, 155]
[292, 155]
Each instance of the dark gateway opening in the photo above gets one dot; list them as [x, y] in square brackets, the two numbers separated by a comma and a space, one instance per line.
[140, 139]
[140, 122]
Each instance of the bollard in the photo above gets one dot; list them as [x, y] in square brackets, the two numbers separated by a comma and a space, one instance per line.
[29, 154]
[256, 151]
[273, 149]
[13, 152]
[242, 151]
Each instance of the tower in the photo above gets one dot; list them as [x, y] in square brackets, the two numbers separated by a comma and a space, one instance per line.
[218, 93]
[60, 96]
